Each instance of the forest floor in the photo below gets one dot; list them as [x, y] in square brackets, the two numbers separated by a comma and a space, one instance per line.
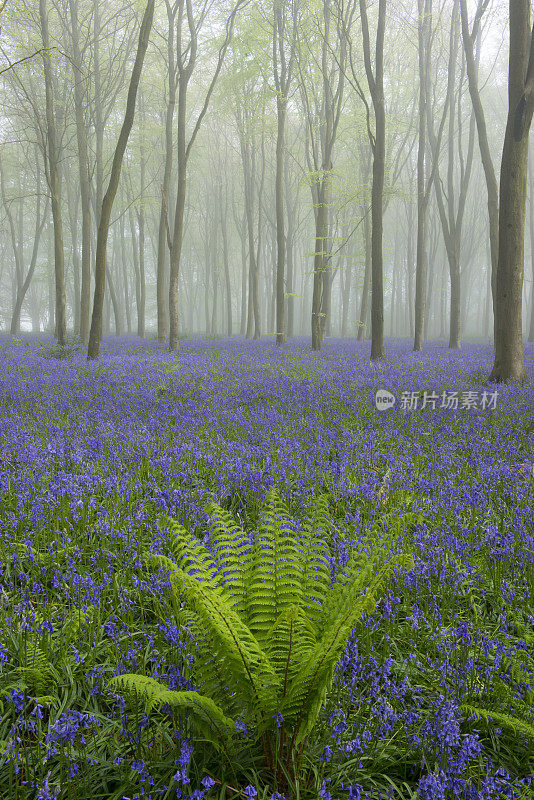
[93, 455]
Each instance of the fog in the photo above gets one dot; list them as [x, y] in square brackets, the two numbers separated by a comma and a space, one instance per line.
[261, 208]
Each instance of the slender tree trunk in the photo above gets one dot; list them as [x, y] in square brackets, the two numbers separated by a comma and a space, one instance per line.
[509, 362]
[290, 253]
[165, 187]
[73, 207]
[486, 321]
[95, 334]
[376, 87]
[135, 260]
[141, 224]
[242, 237]
[409, 256]
[485, 152]
[123, 261]
[223, 206]
[51, 287]
[114, 301]
[364, 307]
[99, 123]
[394, 282]
[21, 293]
[178, 231]
[83, 171]
[451, 218]
[424, 7]
[531, 220]
[321, 233]
[281, 106]
[54, 183]
[430, 287]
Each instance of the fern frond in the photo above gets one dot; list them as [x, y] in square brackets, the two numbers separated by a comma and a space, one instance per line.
[46, 700]
[38, 670]
[210, 671]
[276, 584]
[518, 726]
[247, 663]
[207, 715]
[190, 554]
[234, 554]
[315, 558]
[289, 643]
[312, 681]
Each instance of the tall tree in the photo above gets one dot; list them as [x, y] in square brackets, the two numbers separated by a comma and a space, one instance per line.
[95, 334]
[375, 80]
[53, 178]
[164, 237]
[509, 361]
[83, 169]
[323, 113]
[186, 59]
[424, 8]
[469, 38]
[452, 212]
[282, 71]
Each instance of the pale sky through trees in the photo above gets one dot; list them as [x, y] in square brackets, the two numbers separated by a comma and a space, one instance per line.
[234, 145]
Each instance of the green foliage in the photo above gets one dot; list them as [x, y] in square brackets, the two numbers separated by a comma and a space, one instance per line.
[73, 345]
[267, 622]
[518, 726]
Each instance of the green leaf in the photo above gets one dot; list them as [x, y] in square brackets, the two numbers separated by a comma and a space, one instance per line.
[518, 726]
[208, 717]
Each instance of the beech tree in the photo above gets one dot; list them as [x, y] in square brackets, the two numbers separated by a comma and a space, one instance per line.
[509, 361]
[375, 80]
[95, 334]
[186, 60]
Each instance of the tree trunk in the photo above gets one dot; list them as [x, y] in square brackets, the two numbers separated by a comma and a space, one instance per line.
[178, 230]
[424, 29]
[95, 334]
[243, 239]
[73, 207]
[54, 183]
[321, 232]
[454, 329]
[21, 292]
[114, 301]
[531, 219]
[509, 361]
[364, 307]
[281, 105]
[224, 232]
[290, 253]
[83, 171]
[141, 224]
[165, 187]
[376, 87]
[125, 277]
[485, 152]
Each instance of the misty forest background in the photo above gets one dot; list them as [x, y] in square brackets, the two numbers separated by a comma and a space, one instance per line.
[233, 67]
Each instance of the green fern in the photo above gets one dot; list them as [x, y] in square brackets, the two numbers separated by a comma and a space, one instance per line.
[35, 672]
[518, 726]
[208, 717]
[269, 627]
